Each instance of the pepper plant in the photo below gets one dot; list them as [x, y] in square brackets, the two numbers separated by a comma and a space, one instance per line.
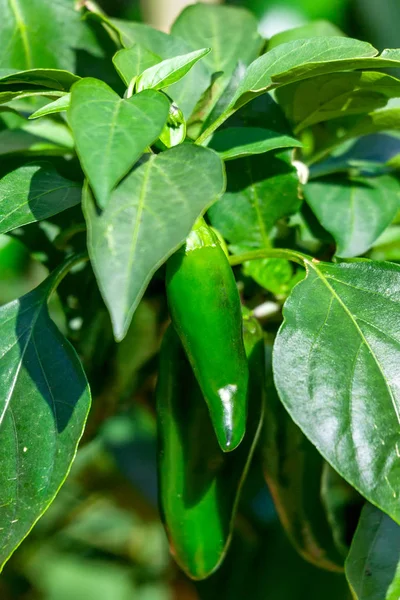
[247, 189]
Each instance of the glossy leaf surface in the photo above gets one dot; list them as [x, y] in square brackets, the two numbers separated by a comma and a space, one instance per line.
[355, 210]
[335, 366]
[43, 412]
[139, 230]
[372, 566]
[112, 133]
[34, 192]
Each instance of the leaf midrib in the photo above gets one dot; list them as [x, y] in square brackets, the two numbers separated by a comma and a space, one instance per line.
[325, 281]
[21, 26]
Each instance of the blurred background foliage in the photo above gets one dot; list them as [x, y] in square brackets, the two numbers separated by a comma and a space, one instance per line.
[102, 538]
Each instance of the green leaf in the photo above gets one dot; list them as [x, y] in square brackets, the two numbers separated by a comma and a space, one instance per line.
[336, 370]
[60, 105]
[231, 32]
[9, 96]
[41, 33]
[139, 228]
[373, 564]
[273, 274]
[314, 29]
[355, 210]
[112, 133]
[169, 71]
[131, 62]
[293, 470]
[237, 142]
[260, 191]
[33, 193]
[43, 412]
[187, 92]
[34, 137]
[51, 78]
[336, 95]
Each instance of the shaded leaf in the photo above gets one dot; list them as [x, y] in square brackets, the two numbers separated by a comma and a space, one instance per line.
[237, 142]
[33, 193]
[345, 396]
[139, 229]
[293, 469]
[355, 210]
[42, 416]
[372, 566]
[260, 191]
[112, 133]
[51, 78]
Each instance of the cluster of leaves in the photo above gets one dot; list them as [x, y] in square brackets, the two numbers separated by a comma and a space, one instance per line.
[287, 146]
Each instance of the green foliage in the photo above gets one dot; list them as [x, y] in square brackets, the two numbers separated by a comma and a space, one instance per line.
[119, 143]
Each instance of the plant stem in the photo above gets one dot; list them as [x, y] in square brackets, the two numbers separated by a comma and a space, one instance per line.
[58, 275]
[292, 255]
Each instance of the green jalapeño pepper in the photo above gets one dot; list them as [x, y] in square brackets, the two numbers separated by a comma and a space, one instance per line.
[205, 309]
[199, 484]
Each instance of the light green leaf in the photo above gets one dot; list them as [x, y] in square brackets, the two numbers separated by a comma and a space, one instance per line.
[112, 133]
[187, 92]
[237, 142]
[32, 193]
[51, 78]
[309, 30]
[60, 105]
[230, 31]
[43, 412]
[41, 33]
[355, 210]
[9, 96]
[169, 71]
[336, 95]
[336, 362]
[131, 62]
[44, 137]
[139, 228]
[260, 191]
[293, 470]
[373, 564]
[273, 274]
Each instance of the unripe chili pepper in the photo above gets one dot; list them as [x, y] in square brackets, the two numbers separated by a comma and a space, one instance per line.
[205, 309]
[199, 484]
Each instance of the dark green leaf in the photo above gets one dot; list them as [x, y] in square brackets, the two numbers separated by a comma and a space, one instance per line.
[372, 567]
[293, 470]
[336, 370]
[33, 193]
[51, 78]
[9, 96]
[261, 190]
[336, 95]
[237, 142]
[355, 210]
[131, 62]
[139, 228]
[112, 133]
[43, 412]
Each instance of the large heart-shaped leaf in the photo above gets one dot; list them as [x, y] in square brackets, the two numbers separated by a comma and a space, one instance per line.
[373, 564]
[355, 210]
[33, 193]
[149, 216]
[44, 403]
[112, 133]
[336, 369]
[260, 191]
